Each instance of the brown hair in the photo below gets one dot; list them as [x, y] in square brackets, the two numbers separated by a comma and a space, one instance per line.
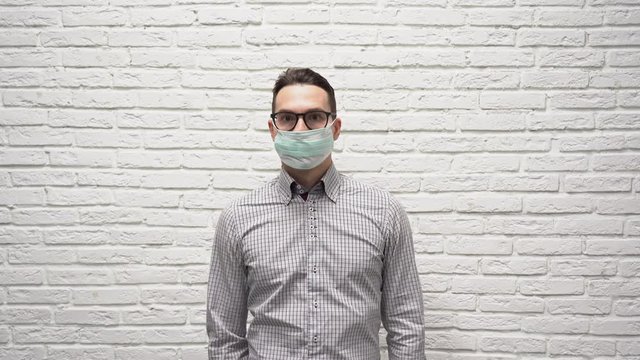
[293, 76]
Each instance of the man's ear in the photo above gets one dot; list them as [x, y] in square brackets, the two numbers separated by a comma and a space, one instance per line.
[337, 125]
[272, 130]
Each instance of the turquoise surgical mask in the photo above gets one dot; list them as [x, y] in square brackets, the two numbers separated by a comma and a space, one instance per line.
[304, 149]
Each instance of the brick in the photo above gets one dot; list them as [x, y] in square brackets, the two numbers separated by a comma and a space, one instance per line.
[567, 18]
[629, 347]
[612, 287]
[582, 267]
[488, 204]
[560, 121]
[629, 268]
[423, 17]
[597, 184]
[615, 327]
[209, 38]
[501, 58]
[73, 37]
[73, 276]
[627, 307]
[569, 226]
[555, 325]
[44, 216]
[555, 79]
[94, 16]
[547, 37]
[491, 121]
[542, 246]
[590, 347]
[153, 316]
[500, 17]
[623, 58]
[448, 265]
[579, 306]
[450, 340]
[168, 58]
[449, 301]
[161, 16]
[607, 37]
[441, 100]
[519, 266]
[536, 183]
[493, 80]
[355, 15]
[93, 335]
[519, 226]
[616, 162]
[30, 17]
[426, 204]
[21, 117]
[511, 304]
[480, 36]
[174, 295]
[450, 226]
[557, 163]
[38, 296]
[544, 205]
[85, 352]
[622, 79]
[487, 322]
[74, 57]
[230, 15]
[570, 58]
[512, 344]
[551, 287]
[482, 164]
[19, 236]
[618, 206]
[483, 285]
[110, 296]
[46, 335]
[25, 315]
[87, 317]
[21, 276]
[629, 99]
[22, 197]
[277, 36]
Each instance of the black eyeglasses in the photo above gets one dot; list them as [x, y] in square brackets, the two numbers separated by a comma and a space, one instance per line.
[287, 121]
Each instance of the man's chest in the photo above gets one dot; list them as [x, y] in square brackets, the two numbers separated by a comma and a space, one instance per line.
[288, 247]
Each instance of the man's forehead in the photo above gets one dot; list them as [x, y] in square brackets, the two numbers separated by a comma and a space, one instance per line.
[302, 92]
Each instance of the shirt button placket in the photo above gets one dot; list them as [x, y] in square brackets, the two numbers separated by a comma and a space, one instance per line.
[313, 237]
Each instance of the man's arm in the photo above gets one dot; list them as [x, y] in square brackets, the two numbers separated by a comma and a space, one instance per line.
[226, 294]
[402, 303]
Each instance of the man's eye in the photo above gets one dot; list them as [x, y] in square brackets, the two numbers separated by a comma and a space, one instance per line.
[288, 117]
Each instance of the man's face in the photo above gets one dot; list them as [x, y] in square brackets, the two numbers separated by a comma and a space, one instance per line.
[301, 98]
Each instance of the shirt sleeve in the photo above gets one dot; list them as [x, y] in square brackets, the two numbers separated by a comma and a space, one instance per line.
[227, 294]
[402, 303]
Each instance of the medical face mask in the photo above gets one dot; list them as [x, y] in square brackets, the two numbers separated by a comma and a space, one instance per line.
[304, 149]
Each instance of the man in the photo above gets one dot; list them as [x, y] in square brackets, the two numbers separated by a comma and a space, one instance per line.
[318, 258]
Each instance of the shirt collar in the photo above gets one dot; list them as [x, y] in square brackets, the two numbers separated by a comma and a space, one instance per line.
[330, 182]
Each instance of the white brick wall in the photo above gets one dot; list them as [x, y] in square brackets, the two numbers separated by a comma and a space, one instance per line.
[509, 129]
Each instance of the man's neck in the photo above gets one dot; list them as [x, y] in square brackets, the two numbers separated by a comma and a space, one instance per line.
[309, 178]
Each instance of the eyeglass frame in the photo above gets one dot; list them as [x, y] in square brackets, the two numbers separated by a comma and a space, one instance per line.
[273, 118]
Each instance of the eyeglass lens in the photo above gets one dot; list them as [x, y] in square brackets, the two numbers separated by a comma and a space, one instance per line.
[313, 120]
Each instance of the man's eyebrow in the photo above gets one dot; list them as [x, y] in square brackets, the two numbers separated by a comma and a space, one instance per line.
[312, 109]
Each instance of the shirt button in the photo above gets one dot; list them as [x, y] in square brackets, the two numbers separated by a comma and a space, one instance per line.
[315, 269]
[315, 304]
[315, 339]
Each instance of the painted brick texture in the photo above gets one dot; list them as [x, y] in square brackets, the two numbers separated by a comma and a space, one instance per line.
[508, 129]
